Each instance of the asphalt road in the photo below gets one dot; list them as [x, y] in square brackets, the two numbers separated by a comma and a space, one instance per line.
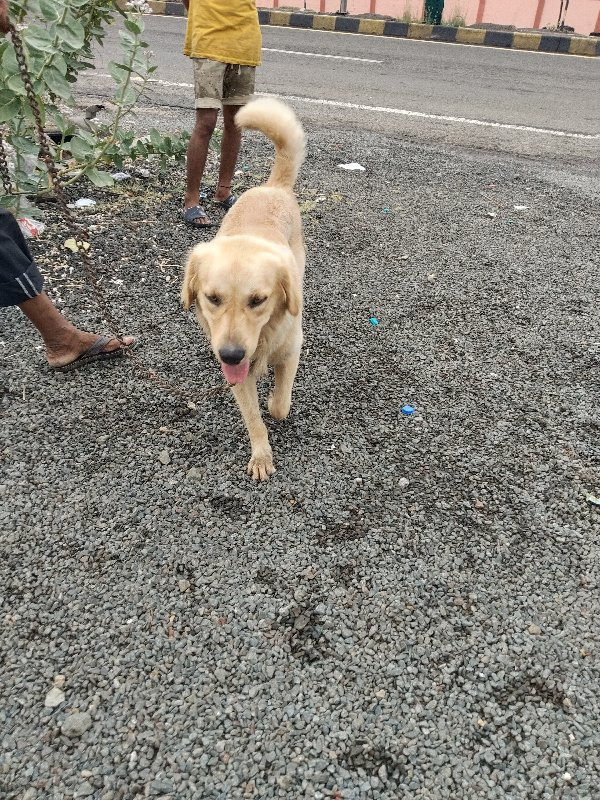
[409, 608]
[422, 91]
[516, 87]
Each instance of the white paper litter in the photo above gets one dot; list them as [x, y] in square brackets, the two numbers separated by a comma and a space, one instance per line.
[120, 176]
[352, 166]
[83, 202]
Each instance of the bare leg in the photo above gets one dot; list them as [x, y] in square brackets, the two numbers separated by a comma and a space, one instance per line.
[260, 465]
[281, 397]
[206, 119]
[230, 148]
[64, 342]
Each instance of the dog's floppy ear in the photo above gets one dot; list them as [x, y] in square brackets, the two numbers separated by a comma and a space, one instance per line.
[191, 277]
[291, 286]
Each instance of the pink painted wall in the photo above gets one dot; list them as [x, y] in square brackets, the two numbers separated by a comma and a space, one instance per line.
[583, 15]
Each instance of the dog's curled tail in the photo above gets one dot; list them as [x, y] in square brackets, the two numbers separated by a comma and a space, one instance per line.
[279, 123]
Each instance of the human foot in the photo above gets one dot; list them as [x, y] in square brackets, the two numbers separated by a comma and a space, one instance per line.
[79, 347]
[224, 196]
[197, 217]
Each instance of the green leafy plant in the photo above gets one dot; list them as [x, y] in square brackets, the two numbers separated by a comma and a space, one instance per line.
[58, 37]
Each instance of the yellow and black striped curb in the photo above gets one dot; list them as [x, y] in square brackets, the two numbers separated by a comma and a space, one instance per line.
[538, 42]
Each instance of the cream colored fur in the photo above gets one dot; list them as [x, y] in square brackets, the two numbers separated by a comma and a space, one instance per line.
[258, 254]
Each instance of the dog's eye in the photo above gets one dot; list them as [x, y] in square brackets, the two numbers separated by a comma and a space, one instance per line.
[213, 299]
[255, 302]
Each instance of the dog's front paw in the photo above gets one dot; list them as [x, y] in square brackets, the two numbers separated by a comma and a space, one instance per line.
[278, 408]
[260, 466]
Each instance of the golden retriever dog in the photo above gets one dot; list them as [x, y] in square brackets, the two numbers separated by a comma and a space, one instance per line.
[246, 283]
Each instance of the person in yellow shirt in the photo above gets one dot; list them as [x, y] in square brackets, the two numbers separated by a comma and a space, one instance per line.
[223, 39]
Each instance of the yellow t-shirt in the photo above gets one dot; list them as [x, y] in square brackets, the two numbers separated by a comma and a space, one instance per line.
[223, 30]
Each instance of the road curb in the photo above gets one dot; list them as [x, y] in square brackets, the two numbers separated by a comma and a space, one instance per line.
[514, 40]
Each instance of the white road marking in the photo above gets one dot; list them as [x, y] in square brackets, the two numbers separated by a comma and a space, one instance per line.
[442, 117]
[321, 55]
[403, 112]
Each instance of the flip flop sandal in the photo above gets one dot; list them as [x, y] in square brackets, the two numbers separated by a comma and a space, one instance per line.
[190, 215]
[227, 203]
[95, 353]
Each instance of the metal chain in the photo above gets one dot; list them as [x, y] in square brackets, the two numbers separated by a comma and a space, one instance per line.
[4, 173]
[81, 237]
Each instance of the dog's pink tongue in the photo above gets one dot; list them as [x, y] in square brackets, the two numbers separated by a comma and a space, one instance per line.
[236, 373]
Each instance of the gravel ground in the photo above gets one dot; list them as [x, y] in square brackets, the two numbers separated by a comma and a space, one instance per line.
[409, 609]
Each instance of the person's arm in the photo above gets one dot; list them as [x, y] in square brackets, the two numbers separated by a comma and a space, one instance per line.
[4, 24]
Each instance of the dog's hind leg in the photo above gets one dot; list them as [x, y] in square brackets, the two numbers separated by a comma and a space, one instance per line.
[260, 465]
[281, 397]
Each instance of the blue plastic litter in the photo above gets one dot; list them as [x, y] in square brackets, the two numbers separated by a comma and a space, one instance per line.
[407, 410]
[374, 321]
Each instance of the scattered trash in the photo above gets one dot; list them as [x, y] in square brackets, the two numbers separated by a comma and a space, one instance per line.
[431, 276]
[203, 194]
[120, 176]
[386, 210]
[374, 321]
[491, 214]
[30, 228]
[521, 208]
[510, 221]
[403, 483]
[238, 173]
[352, 166]
[83, 202]
[407, 410]
[72, 245]
[595, 501]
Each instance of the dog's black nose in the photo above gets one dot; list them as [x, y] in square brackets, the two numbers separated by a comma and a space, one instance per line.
[232, 355]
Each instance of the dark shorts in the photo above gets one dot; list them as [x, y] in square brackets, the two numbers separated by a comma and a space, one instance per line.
[20, 279]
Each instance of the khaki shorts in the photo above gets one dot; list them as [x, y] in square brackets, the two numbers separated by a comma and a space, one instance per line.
[217, 84]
